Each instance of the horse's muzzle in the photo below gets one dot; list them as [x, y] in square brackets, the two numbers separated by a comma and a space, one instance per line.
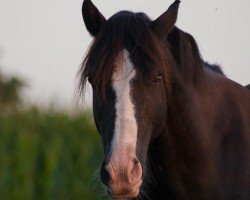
[125, 178]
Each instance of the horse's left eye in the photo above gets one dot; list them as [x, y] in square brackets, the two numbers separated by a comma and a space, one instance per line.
[158, 78]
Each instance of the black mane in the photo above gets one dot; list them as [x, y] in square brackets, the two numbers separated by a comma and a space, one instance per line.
[186, 52]
[215, 68]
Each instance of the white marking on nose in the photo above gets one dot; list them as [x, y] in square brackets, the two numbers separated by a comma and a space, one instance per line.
[125, 133]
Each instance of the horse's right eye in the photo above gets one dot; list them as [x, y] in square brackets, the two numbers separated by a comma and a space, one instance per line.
[90, 80]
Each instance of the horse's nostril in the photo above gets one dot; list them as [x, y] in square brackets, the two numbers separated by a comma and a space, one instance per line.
[136, 161]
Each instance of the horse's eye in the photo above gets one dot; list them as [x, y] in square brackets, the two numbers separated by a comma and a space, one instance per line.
[158, 78]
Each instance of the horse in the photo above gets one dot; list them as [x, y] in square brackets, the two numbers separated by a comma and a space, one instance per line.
[248, 86]
[173, 127]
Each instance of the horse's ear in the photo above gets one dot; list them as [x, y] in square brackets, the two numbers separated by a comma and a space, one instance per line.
[93, 19]
[165, 23]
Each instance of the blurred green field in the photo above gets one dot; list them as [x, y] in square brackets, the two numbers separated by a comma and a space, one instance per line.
[48, 155]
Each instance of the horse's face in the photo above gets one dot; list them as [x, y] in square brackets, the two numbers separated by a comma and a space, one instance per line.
[133, 113]
[134, 109]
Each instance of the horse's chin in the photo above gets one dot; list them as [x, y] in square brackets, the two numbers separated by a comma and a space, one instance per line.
[131, 195]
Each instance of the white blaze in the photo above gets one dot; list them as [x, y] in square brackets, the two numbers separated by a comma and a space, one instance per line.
[125, 133]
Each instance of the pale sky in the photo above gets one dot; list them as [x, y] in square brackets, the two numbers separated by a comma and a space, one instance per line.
[45, 41]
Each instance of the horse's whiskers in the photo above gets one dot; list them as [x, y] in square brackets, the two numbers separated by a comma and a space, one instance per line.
[97, 185]
[144, 194]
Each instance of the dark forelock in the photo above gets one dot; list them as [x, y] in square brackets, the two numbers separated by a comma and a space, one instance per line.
[124, 30]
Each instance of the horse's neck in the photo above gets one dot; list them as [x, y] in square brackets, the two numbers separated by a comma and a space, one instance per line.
[185, 156]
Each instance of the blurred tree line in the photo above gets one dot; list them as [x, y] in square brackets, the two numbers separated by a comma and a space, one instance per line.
[10, 92]
[45, 153]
